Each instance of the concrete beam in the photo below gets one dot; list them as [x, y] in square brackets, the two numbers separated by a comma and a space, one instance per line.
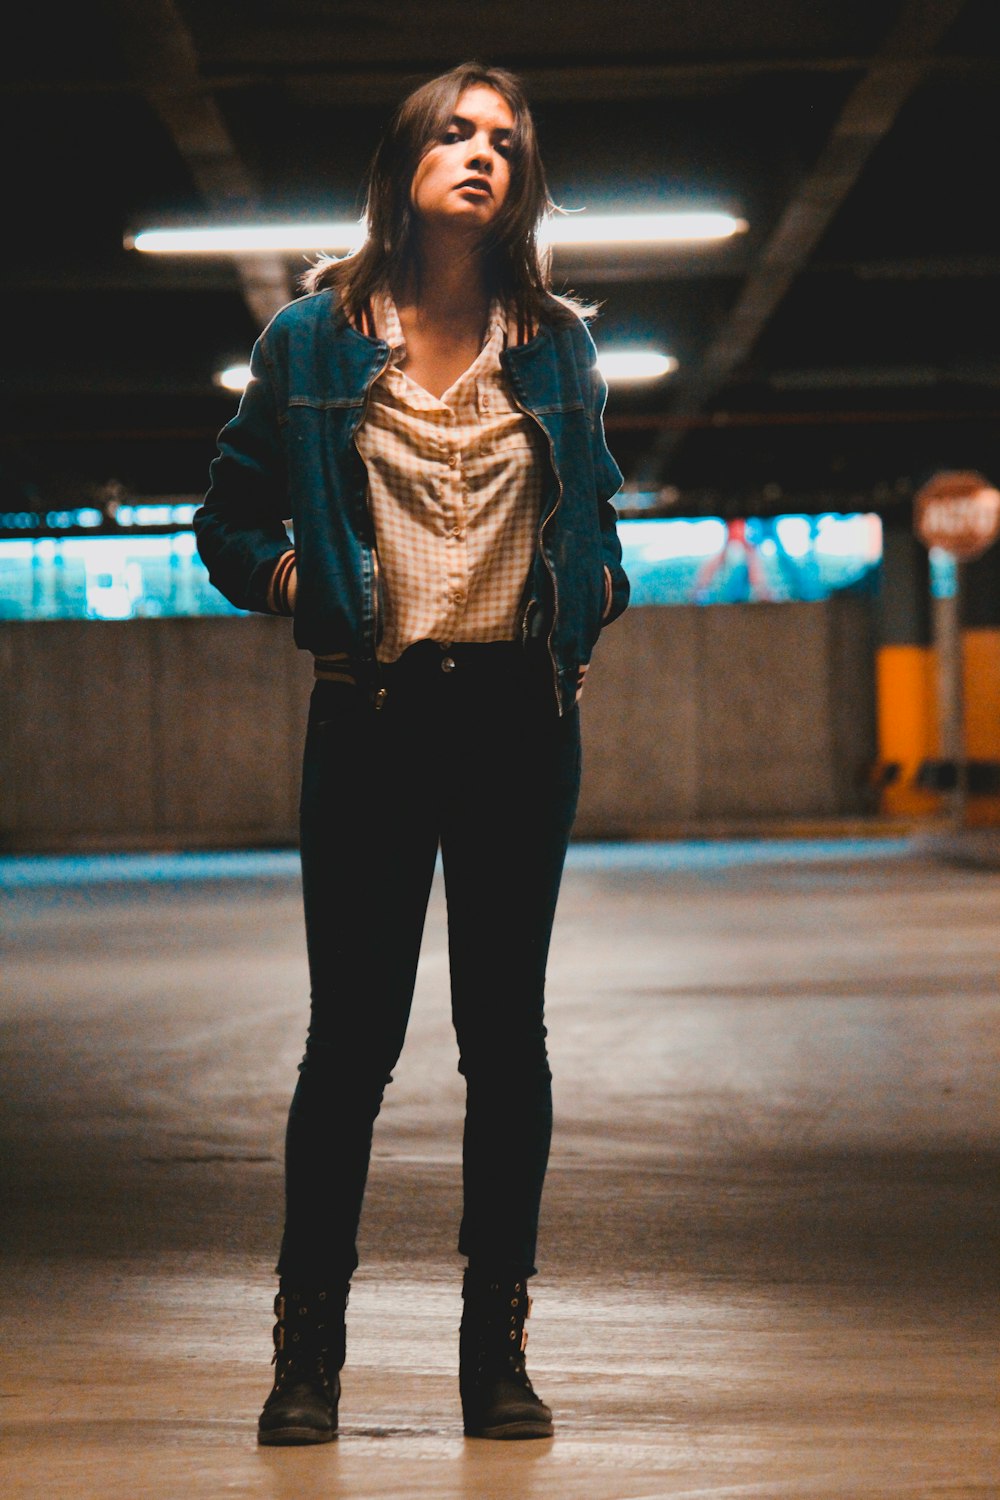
[869, 113]
[584, 265]
[161, 54]
[328, 83]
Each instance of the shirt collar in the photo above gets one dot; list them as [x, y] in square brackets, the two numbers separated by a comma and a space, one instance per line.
[387, 324]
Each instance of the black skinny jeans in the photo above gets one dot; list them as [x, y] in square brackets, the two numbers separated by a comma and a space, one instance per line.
[475, 759]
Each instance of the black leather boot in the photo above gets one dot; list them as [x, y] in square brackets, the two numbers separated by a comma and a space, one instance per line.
[497, 1398]
[309, 1341]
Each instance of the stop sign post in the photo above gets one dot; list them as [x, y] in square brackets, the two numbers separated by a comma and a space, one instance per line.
[958, 513]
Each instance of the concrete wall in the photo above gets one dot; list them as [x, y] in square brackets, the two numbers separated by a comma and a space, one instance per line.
[165, 733]
[735, 712]
[187, 733]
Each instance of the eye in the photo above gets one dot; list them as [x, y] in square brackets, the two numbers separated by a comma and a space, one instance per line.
[451, 135]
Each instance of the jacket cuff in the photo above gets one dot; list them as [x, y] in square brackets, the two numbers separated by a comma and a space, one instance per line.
[620, 592]
[282, 587]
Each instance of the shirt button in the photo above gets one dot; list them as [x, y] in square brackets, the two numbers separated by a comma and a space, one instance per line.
[456, 531]
[453, 461]
[447, 664]
[458, 598]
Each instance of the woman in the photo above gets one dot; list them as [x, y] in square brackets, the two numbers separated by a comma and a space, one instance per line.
[430, 418]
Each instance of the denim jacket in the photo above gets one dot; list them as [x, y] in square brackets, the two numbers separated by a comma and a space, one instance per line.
[289, 453]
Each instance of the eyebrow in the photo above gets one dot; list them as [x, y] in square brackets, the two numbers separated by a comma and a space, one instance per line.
[497, 129]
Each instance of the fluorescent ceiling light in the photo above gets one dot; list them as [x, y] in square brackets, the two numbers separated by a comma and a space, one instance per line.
[634, 364]
[614, 364]
[235, 378]
[339, 237]
[248, 239]
[640, 229]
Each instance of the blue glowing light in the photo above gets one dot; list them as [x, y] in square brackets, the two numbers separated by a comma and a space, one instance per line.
[776, 559]
[702, 560]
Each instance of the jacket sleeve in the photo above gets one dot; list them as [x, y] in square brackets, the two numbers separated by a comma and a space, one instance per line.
[607, 482]
[240, 530]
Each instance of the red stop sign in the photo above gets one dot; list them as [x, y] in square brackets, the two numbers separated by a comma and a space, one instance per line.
[959, 512]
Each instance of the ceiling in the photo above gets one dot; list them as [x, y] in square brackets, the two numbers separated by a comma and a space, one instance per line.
[832, 357]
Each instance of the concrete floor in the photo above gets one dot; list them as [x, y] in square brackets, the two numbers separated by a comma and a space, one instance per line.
[769, 1242]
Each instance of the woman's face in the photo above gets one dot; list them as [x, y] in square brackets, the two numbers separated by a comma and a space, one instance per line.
[462, 180]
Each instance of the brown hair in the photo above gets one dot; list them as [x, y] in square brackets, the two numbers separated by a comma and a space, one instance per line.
[517, 266]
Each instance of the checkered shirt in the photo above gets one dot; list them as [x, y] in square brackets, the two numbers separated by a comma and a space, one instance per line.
[455, 487]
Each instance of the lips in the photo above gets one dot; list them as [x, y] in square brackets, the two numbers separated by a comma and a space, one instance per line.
[477, 184]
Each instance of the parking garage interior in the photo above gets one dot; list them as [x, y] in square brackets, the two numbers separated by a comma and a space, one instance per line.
[769, 1233]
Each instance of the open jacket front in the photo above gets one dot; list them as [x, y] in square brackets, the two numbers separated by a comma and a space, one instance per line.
[289, 453]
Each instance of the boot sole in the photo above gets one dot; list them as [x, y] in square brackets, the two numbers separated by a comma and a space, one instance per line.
[512, 1431]
[293, 1437]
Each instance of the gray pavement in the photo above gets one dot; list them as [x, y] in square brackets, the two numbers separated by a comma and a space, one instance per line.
[769, 1245]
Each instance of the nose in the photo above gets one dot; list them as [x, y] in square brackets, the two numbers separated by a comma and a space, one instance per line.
[481, 154]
